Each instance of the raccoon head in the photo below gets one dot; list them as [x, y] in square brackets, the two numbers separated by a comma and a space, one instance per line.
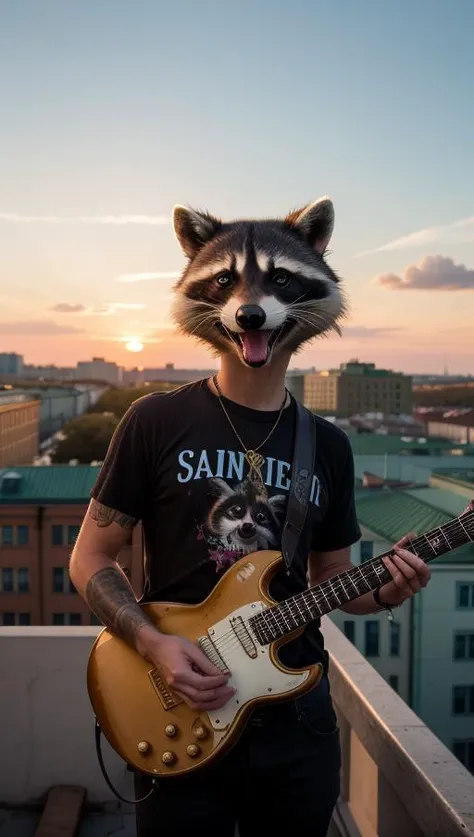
[257, 287]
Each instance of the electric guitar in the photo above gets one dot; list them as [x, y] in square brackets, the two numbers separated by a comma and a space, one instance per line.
[240, 628]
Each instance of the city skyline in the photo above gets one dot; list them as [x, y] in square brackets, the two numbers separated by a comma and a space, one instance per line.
[366, 105]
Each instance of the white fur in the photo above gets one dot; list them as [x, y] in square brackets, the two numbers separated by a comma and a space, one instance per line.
[304, 269]
[275, 313]
[263, 260]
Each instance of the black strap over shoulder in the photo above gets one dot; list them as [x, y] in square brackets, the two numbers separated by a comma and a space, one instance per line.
[301, 479]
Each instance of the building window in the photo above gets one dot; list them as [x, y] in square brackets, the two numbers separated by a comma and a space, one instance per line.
[22, 535]
[464, 595]
[7, 580]
[371, 638]
[24, 618]
[463, 700]
[349, 629]
[8, 618]
[72, 533]
[57, 535]
[61, 581]
[393, 681]
[463, 749]
[7, 535]
[463, 646]
[394, 639]
[23, 580]
[67, 619]
[366, 551]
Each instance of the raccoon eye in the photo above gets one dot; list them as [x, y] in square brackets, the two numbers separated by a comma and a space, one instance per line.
[225, 280]
[281, 278]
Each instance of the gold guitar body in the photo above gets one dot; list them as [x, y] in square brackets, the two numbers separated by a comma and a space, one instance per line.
[152, 729]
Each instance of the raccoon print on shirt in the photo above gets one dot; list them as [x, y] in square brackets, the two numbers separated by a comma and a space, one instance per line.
[241, 521]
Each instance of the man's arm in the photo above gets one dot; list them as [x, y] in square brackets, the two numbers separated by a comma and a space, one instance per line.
[324, 565]
[98, 578]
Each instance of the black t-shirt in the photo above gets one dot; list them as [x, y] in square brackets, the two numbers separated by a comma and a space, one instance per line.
[176, 464]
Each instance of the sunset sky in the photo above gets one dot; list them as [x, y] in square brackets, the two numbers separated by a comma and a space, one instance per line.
[113, 111]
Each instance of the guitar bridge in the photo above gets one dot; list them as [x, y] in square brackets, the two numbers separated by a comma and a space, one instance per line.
[207, 646]
[168, 699]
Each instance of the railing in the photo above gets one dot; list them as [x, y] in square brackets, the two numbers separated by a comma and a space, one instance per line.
[398, 779]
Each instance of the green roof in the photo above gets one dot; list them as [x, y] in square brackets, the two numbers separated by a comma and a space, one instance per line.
[392, 514]
[378, 443]
[47, 484]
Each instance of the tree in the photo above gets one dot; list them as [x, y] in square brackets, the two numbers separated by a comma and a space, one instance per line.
[86, 438]
[117, 400]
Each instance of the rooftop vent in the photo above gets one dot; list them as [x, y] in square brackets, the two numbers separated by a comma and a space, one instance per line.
[10, 483]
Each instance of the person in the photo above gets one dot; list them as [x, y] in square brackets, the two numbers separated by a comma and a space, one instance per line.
[205, 468]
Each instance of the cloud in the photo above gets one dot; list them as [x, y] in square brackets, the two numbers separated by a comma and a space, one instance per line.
[108, 308]
[362, 332]
[455, 233]
[431, 273]
[43, 327]
[68, 308]
[147, 277]
[114, 220]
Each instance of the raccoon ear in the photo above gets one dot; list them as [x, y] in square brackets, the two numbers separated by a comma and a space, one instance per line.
[315, 222]
[193, 229]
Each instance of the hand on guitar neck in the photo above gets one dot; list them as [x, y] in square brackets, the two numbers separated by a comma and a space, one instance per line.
[187, 671]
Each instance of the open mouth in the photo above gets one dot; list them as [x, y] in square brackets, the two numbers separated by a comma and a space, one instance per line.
[256, 346]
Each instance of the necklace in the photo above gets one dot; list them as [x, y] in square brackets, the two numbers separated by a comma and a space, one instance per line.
[254, 459]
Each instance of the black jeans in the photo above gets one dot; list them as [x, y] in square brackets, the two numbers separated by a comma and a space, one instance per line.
[283, 774]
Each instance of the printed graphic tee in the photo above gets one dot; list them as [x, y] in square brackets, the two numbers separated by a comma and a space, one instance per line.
[176, 464]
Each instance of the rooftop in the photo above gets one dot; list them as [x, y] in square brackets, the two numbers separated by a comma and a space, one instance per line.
[397, 777]
[381, 443]
[391, 514]
[47, 484]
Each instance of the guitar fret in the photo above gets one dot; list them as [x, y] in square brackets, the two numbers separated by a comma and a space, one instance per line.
[465, 530]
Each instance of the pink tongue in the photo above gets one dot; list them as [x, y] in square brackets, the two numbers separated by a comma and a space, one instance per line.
[255, 345]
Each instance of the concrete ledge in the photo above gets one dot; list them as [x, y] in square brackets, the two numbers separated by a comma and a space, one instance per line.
[435, 787]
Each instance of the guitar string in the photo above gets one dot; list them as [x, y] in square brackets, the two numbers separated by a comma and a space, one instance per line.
[337, 585]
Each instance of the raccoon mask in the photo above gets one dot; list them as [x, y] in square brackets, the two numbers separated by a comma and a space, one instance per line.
[257, 288]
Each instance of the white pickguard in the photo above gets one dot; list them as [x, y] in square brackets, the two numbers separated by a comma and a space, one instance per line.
[251, 677]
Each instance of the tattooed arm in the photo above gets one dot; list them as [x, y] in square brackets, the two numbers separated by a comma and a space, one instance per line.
[97, 576]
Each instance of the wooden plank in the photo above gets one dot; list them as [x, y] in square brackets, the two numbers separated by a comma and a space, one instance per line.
[62, 812]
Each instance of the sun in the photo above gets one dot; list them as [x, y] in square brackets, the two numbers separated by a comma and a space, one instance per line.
[134, 345]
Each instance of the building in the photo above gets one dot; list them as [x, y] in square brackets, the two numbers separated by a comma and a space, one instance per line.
[456, 424]
[99, 369]
[427, 653]
[59, 404]
[41, 510]
[357, 388]
[11, 364]
[19, 429]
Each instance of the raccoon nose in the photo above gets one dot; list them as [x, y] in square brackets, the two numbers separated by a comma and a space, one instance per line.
[250, 317]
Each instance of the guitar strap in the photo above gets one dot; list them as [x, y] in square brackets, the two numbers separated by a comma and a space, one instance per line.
[304, 451]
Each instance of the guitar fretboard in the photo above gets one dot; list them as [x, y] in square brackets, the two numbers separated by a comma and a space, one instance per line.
[281, 619]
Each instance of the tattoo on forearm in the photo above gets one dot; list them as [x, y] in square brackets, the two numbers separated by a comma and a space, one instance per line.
[111, 598]
[104, 516]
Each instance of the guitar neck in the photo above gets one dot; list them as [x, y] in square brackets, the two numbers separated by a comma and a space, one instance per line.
[297, 611]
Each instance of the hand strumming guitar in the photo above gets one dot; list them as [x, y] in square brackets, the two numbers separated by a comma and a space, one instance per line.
[187, 671]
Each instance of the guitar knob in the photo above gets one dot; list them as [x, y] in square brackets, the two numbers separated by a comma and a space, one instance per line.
[200, 732]
[170, 730]
[193, 750]
[168, 757]
[143, 746]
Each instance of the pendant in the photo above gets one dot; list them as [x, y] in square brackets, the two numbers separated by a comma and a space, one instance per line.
[255, 461]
